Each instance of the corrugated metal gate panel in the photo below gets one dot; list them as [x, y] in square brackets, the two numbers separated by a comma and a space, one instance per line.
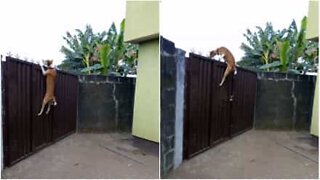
[197, 115]
[16, 111]
[244, 92]
[220, 117]
[24, 131]
[66, 89]
[210, 116]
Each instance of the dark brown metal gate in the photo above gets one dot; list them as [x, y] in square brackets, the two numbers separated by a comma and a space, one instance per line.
[24, 88]
[212, 113]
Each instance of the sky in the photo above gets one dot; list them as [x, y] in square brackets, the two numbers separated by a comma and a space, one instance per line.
[204, 25]
[34, 28]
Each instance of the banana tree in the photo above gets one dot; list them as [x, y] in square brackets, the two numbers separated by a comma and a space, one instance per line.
[271, 50]
[120, 56]
[101, 53]
[80, 49]
[107, 52]
[261, 49]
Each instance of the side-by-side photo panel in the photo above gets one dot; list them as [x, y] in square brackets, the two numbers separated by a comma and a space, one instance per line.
[81, 99]
[239, 89]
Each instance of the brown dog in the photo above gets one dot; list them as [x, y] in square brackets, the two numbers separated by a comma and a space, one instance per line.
[51, 75]
[223, 52]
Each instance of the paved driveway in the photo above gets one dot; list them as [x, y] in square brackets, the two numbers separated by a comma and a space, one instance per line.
[89, 156]
[255, 154]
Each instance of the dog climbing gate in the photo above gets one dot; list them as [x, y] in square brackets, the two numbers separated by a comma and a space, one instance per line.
[213, 113]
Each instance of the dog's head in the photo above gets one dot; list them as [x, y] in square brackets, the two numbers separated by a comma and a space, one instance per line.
[47, 62]
[216, 55]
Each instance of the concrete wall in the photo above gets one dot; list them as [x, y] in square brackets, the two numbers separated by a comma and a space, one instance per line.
[178, 140]
[168, 105]
[146, 116]
[284, 101]
[105, 103]
[142, 21]
[172, 106]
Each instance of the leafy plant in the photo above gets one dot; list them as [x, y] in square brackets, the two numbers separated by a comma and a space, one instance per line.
[270, 50]
[99, 53]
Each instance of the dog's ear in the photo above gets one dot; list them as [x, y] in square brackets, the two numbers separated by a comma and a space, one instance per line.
[212, 53]
[49, 62]
[218, 51]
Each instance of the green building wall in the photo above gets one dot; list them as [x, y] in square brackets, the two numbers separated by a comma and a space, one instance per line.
[313, 21]
[142, 21]
[315, 110]
[142, 27]
[313, 34]
[146, 115]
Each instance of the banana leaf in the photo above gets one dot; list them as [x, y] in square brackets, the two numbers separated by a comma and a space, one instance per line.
[274, 64]
[284, 48]
[92, 68]
[104, 58]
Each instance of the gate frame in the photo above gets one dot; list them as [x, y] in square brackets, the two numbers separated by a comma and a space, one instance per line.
[5, 161]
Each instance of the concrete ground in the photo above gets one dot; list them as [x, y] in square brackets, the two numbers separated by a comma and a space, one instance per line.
[255, 154]
[85, 156]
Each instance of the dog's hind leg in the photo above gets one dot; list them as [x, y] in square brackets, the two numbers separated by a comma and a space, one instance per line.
[222, 81]
[44, 102]
[42, 107]
[48, 109]
[226, 73]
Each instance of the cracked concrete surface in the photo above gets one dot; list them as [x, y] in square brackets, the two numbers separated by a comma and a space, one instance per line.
[255, 154]
[85, 156]
[116, 105]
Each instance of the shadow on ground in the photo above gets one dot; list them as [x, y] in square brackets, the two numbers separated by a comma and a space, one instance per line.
[85, 156]
[256, 154]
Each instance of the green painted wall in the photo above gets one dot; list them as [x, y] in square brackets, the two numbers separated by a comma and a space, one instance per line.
[313, 20]
[142, 21]
[313, 34]
[142, 27]
[146, 114]
[315, 110]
